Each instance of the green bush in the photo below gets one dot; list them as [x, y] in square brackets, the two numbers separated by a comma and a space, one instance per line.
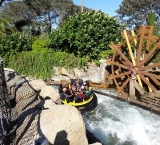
[86, 34]
[13, 43]
[39, 45]
[106, 54]
[39, 65]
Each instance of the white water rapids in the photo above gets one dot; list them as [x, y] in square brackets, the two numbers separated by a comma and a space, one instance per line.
[115, 122]
[118, 123]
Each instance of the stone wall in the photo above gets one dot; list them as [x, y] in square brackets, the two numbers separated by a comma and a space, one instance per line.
[95, 74]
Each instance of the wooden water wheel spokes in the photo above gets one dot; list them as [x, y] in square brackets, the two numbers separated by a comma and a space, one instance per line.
[132, 63]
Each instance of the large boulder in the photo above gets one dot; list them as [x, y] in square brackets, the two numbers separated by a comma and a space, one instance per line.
[45, 104]
[63, 125]
[61, 79]
[25, 95]
[28, 131]
[94, 73]
[37, 84]
[59, 125]
[49, 92]
[67, 72]
[12, 78]
[56, 70]
[80, 73]
[103, 71]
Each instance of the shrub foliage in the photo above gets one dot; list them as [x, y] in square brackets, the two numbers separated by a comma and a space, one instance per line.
[14, 43]
[39, 65]
[86, 34]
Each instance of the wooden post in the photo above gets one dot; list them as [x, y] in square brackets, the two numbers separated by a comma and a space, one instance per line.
[131, 88]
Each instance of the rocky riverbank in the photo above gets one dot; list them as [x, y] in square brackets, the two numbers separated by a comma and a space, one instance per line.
[96, 75]
[38, 117]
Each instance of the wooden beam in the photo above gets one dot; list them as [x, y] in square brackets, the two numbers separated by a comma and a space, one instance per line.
[114, 47]
[131, 88]
[124, 84]
[117, 64]
[119, 75]
[139, 88]
[148, 83]
[150, 66]
[150, 75]
[147, 56]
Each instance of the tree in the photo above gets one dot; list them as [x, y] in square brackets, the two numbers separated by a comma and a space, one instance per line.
[6, 27]
[39, 15]
[86, 34]
[136, 12]
[18, 13]
[1, 1]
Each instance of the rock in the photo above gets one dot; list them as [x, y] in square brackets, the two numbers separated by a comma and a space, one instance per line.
[67, 73]
[28, 131]
[61, 79]
[56, 79]
[45, 104]
[11, 74]
[50, 92]
[103, 71]
[56, 70]
[85, 79]
[94, 73]
[25, 96]
[12, 84]
[37, 84]
[63, 125]
[79, 73]
[38, 121]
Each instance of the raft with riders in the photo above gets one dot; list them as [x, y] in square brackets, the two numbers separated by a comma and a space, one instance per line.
[78, 94]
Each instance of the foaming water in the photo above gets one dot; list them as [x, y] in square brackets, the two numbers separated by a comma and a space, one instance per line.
[118, 123]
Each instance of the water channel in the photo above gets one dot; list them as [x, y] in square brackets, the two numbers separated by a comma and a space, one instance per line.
[115, 122]
[119, 123]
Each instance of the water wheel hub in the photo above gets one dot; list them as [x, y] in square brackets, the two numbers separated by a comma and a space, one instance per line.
[135, 70]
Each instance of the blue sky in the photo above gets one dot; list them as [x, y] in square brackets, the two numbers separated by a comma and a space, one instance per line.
[107, 6]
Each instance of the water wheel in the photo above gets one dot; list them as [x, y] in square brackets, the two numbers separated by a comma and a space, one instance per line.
[133, 64]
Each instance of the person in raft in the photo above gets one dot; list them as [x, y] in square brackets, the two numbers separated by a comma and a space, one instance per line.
[72, 92]
[67, 92]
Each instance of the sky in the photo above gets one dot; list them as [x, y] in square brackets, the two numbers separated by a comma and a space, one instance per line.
[107, 6]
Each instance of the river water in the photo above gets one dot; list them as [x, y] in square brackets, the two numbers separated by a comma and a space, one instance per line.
[115, 122]
[118, 123]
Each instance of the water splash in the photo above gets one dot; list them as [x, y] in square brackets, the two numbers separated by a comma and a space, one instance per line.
[118, 123]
